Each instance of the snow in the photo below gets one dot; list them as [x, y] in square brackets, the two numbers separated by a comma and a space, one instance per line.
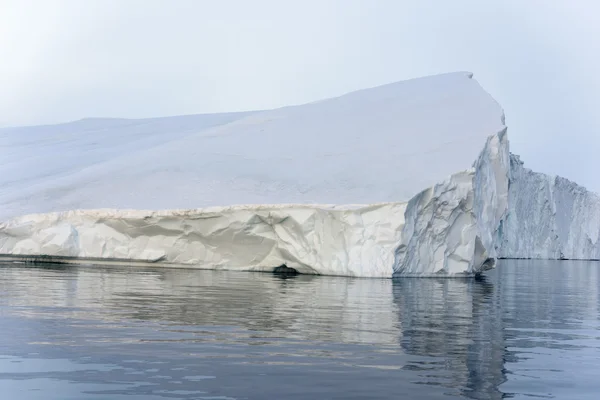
[256, 190]
[384, 144]
[549, 217]
[36, 157]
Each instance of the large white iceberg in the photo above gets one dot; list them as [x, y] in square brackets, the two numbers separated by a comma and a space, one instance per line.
[409, 178]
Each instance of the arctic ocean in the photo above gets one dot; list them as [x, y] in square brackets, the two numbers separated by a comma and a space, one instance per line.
[526, 330]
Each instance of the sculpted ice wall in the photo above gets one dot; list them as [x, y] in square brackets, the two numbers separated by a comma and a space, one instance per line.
[351, 241]
[452, 227]
[549, 217]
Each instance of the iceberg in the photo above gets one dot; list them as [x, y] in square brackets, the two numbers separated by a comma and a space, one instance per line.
[549, 217]
[410, 178]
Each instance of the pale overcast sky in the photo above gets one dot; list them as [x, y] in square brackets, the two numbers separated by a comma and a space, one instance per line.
[65, 60]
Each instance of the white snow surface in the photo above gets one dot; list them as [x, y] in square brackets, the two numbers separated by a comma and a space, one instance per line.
[401, 150]
[384, 144]
[549, 218]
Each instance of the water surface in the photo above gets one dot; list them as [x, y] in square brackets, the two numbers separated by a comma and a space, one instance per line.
[529, 329]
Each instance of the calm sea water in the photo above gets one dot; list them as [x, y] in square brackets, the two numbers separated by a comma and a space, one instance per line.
[526, 330]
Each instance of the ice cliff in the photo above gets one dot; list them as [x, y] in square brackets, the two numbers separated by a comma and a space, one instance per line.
[356, 241]
[409, 178]
[549, 217]
[452, 228]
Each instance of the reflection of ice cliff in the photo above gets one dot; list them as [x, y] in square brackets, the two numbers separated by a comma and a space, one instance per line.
[581, 278]
[548, 310]
[475, 337]
[346, 310]
[448, 332]
[478, 338]
[459, 321]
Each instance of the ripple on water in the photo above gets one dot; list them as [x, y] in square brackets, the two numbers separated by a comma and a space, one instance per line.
[527, 329]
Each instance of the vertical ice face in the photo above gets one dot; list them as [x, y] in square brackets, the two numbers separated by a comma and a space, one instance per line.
[549, 217]
[315, 239]
[452, 227]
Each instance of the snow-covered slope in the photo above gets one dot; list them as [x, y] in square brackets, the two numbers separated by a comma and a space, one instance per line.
[549, 217]
[33, 158]
[377, 145]
[439, 141]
